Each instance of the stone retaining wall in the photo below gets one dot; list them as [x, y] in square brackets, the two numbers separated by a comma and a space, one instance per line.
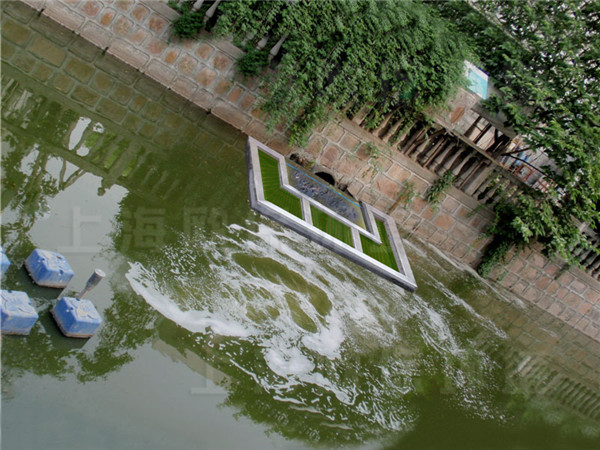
[138, 33]
[570, 295]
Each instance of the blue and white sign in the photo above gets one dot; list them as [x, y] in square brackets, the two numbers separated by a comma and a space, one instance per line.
[478, 80]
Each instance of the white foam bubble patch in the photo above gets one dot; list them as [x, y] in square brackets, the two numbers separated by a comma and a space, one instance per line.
[288, 362]
[196, 321]
[327, 341]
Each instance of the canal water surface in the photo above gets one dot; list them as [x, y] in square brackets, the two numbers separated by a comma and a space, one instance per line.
[224, 330]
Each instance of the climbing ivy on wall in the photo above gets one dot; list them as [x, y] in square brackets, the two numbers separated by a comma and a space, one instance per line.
[544, 57]
[338, 55]
[434, 194]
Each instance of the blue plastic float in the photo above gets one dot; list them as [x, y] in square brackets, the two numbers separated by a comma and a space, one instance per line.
[49, 269]
[76, 317]
[18, 313]
[4, 262]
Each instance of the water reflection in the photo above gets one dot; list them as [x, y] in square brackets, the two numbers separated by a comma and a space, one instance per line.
[293, 336]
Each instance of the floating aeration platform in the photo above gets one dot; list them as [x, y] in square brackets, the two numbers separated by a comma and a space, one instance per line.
[288, 194]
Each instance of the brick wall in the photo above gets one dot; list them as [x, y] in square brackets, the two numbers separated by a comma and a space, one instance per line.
[203, 71]
[570, 295]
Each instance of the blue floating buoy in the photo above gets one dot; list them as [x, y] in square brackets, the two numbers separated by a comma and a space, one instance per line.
[49, 269]
[4, 262]
[17, 311]
[76, 317]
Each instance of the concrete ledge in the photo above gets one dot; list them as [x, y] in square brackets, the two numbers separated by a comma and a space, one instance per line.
[403, 277]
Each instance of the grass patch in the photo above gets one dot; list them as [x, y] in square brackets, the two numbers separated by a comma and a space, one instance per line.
[274, 193]
[331, 226]
[382, 253]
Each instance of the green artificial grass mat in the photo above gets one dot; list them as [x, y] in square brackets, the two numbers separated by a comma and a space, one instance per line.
[331, 226]
[382, 253]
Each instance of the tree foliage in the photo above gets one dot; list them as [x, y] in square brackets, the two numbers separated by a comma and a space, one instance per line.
[544, 56]
[402, 57]
[336, 54]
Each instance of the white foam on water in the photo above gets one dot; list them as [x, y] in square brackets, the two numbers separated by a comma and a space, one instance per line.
[304, 306]
[326, 342]
[195, 321]
[288, 361]
[197, 305]
[276, 240]
[488, 323]
[436, 331]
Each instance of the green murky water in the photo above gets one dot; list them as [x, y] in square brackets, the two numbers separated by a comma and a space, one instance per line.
[223, 330]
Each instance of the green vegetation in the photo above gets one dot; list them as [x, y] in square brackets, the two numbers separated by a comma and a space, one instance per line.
[373, 150]
[189, 23]
[274, 193]
[381, 252]
[434, 193]
[407, 195]
[392, 57]
[399, 58]
[252, 62]
[544, 56]
[375, 153]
